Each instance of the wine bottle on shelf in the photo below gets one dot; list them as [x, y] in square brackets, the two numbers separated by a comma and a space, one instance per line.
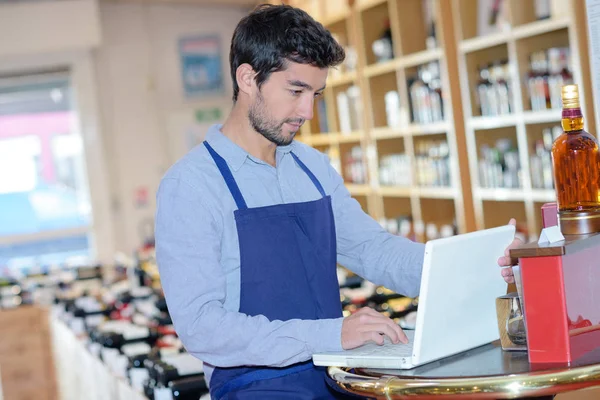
[575, 162]
[166, 375]
[188, 388]
[383, 48]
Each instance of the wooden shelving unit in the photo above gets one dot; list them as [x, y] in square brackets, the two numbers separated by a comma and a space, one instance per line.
[460, 48]
[359, 26]
[514, 41]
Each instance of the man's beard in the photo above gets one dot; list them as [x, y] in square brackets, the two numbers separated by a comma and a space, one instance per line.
[266, 126]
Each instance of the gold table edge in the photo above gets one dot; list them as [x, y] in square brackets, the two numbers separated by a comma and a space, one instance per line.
[537, 383]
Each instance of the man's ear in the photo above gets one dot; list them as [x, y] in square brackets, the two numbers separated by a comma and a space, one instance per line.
[245, 78]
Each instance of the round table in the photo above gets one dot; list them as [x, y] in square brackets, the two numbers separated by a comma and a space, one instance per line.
[486, 372]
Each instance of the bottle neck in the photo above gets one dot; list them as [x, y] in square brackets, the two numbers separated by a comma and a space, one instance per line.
[572, 119]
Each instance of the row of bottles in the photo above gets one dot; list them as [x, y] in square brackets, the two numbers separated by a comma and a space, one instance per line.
[432, 163]
[124, 324]
[549, 71]
[395, 170]
[350, 63]
[494, 92]
[499, 166]
[354, 166]
[540, 161]
[417, 231]
[383, 47]
[425, 91]
[396, 115]
[349, 105]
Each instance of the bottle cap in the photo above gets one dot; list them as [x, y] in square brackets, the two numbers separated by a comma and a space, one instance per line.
[570, 96]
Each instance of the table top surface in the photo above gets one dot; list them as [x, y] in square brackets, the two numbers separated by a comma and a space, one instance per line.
[484, 372]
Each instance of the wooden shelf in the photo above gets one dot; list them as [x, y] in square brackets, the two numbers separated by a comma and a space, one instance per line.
[481, 123]
[429, 192]
[358, 190]
[500, 194]
[542, 117]
[435, 192]
[366, 4]
[514, 42]
[352, 137]
[520, 32]
[460, 53]
[335, 18]
[540, 27]
[342, 79]
[428, 129]
[420, 58]
[395, 191]
[388, 133]
[323, 139]
[543, 195]
[484, 42]
[382, 68]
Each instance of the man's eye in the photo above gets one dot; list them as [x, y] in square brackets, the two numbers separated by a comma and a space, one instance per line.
[318, 94]
[296, 92]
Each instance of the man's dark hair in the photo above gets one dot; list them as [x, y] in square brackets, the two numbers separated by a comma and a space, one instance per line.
[272, 35]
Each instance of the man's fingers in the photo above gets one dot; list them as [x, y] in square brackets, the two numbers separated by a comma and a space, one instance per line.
[401, 334]
[504, 261]
[371, 319]
[506, 272]
[373, 336]
[386, 330]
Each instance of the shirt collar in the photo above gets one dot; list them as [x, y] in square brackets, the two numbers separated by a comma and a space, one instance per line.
[233, 154]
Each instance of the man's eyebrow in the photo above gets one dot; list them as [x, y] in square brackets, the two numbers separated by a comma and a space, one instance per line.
[303, 85]
[300, 84]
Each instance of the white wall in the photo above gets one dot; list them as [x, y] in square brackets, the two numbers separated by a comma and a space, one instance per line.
[139, 84]
[48, 27]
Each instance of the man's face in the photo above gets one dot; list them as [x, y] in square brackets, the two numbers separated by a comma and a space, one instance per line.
[285, 101]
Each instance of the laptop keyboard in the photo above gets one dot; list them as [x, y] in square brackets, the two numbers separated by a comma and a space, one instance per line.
[388, 349]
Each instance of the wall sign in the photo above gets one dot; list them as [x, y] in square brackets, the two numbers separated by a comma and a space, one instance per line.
[201, 69]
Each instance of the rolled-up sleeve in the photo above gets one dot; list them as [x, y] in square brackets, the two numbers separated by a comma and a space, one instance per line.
[365, 248]
[188, 252]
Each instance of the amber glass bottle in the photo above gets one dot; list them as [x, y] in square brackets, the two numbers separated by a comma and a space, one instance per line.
[576, 174]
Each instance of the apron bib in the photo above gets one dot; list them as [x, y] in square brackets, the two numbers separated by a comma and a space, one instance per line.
[288, 271]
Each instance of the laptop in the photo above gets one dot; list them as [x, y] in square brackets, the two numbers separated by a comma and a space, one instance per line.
[457, 304]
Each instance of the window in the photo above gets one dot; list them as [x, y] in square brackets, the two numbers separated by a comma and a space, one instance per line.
[45, 211]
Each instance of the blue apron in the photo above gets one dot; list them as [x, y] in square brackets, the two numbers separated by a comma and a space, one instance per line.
[288, 271]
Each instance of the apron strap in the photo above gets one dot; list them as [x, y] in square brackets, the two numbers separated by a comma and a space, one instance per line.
[229, 180]
[312, 177]
[234, 188]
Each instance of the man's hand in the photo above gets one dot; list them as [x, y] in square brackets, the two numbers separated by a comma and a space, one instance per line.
[368, 325]
[506, 261]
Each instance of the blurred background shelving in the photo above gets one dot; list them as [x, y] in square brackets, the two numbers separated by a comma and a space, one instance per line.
[387, 117]
[511, 69]
[468, 152]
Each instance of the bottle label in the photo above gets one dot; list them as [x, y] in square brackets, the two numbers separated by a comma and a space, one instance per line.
[138, 376]
[571, 113]
[163, 394]
[136, 349]
[135, 332]
[186, 364]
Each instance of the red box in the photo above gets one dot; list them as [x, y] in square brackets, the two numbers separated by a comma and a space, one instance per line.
[561, 288]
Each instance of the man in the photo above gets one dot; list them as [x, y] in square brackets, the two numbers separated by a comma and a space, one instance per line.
[250, 225]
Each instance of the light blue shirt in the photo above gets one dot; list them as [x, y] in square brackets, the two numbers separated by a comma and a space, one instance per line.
[198, 256]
